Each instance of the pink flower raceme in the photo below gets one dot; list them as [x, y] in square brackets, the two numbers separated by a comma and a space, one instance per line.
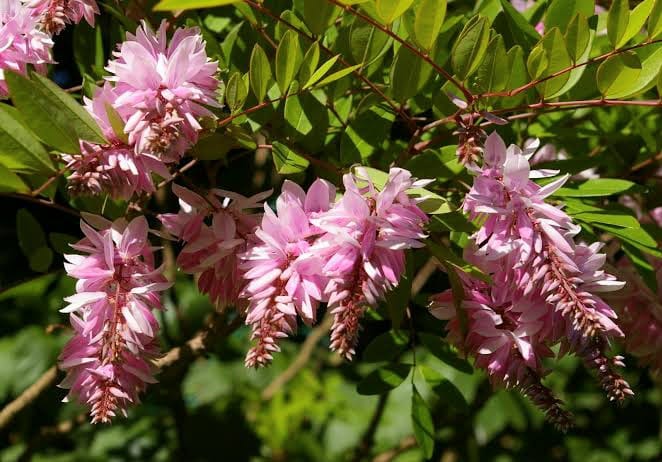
[108, 359]
[162, 89]
[21, 42]
[114, 168]
[54, 15]
[366, 234]
[215, 231]
[284, 275]
[527, 246]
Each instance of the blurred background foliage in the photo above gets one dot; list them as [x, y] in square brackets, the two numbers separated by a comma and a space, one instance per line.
[215, 409]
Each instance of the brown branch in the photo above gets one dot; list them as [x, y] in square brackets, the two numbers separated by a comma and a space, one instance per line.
[404, 445]
[301, 360]
[646, 162]
[518, 90]
[48, 182]
[31, 393]
[194, 347]
[177, 173]
[424, 56]
[44, 202]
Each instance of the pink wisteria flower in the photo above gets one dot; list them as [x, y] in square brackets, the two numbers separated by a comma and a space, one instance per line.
[114, 168]
[162, 89]
[215, 230]
[284, 275]
[54, 15]
[108, 360]
[366, 234]
[21, 42]
[544, 284]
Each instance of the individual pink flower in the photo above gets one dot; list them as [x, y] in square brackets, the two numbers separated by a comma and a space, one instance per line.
[114, 168]
[108, 360]
[527, 246]
[21, 42]
[215, 230]
[54, 15]
[284, 275]
[367, 232]
[162, 89]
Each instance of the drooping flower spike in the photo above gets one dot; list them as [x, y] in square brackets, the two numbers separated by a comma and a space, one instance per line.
[545, 284]
[366, 234]
[284, 275]
[215, 230]
[162, 89]
[21, 42]
[108, 360]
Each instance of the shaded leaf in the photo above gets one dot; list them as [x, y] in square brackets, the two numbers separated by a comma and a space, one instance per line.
[384, 379]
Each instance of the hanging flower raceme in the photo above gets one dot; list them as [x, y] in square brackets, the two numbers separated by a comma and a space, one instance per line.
[114, 168]
[162, 88]
[55, 15]
[527, 247]
[283, 272]
[108, 361]
[21, 42]
[215, 230]
[366, 234]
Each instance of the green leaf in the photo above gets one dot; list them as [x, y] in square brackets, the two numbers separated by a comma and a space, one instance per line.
[617, 21]
[422, 422]
[169, 5]
[319, 15]
[58, 118]
[409, 73]
[560, 12]
[595, 188]
[522, 32]
[558, 59]
[445, 255]
[384, 379]
[537, 62]
[441, 165]
[310, 61]
[577, 36]
[638, 237]
[636, 21]
[60, 242]
[32, 241]
[613, 215]
[213, 147]
[430, 15]
[386, 346]
[319, 73]
[654, 25]
[389, 10]
[444, 389]
[337, 75]
[630, 85]
[617, 74]
[20, 150]
[116, 123]
[10, 182]
[40, 259]
[433, 204]
[288, 60]
[517, 76]
[365, 134]
[260, 73]
[367, 43]
[442, 350]
[493, 72]
[286, 160]
[575, 75]
[470, 46]
[235, 92]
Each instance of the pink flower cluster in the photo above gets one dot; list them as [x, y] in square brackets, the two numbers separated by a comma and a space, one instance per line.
[544, 284]
[215, 230]
[54, 15]
[313, 248]
[157, 103]
[22, 43]
[108, 359]
[347, 253]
